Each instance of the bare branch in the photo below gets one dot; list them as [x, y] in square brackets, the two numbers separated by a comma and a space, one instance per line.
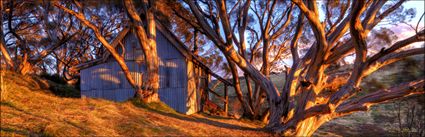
[203, 23]
[358, 34]
[102, 39]
[363, 103]
[391, 58]
[420, 36]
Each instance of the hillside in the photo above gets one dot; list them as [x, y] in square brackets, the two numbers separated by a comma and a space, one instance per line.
[28, 107]
[33, 106]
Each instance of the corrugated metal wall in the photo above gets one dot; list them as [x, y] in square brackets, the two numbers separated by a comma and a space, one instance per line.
[173, 78]
[108, 81]
[173, 87]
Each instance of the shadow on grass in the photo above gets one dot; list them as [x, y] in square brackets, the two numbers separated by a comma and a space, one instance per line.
[139, 126]
[166, 111]
[10, 131]
[12, 106]
[14, 131]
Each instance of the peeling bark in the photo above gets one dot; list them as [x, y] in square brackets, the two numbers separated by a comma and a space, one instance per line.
[147, 40]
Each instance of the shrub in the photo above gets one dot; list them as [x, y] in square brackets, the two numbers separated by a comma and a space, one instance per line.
[53, 77]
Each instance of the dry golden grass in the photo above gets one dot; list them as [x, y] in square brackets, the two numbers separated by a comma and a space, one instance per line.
[27, 108]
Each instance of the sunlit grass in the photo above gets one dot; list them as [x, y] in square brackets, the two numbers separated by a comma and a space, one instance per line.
[28, 108]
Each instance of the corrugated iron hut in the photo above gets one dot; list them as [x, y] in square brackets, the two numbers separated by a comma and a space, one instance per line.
[182, 76]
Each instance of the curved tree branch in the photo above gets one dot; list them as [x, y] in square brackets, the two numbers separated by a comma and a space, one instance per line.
[102, 39]
[363, 103]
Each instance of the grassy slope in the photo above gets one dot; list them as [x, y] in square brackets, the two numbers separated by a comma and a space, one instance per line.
[28, 108]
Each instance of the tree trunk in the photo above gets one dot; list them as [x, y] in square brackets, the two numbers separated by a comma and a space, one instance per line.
[236, 82]
[151, 86]
[25, 66]
[306, 127]
[4, 51]
[249, 88]
[147, 40]
[228, 50]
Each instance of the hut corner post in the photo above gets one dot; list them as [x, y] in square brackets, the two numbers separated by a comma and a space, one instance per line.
[204, 94]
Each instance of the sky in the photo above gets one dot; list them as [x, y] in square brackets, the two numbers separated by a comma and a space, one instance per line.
[405, 31]
[419, 5]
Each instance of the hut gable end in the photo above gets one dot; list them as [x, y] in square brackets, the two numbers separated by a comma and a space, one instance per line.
[130, 48]
[105, 79]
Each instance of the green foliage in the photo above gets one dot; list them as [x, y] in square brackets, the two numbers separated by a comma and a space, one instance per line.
[59, 87]
[64, 90]
[155, 106]
[53, 77]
